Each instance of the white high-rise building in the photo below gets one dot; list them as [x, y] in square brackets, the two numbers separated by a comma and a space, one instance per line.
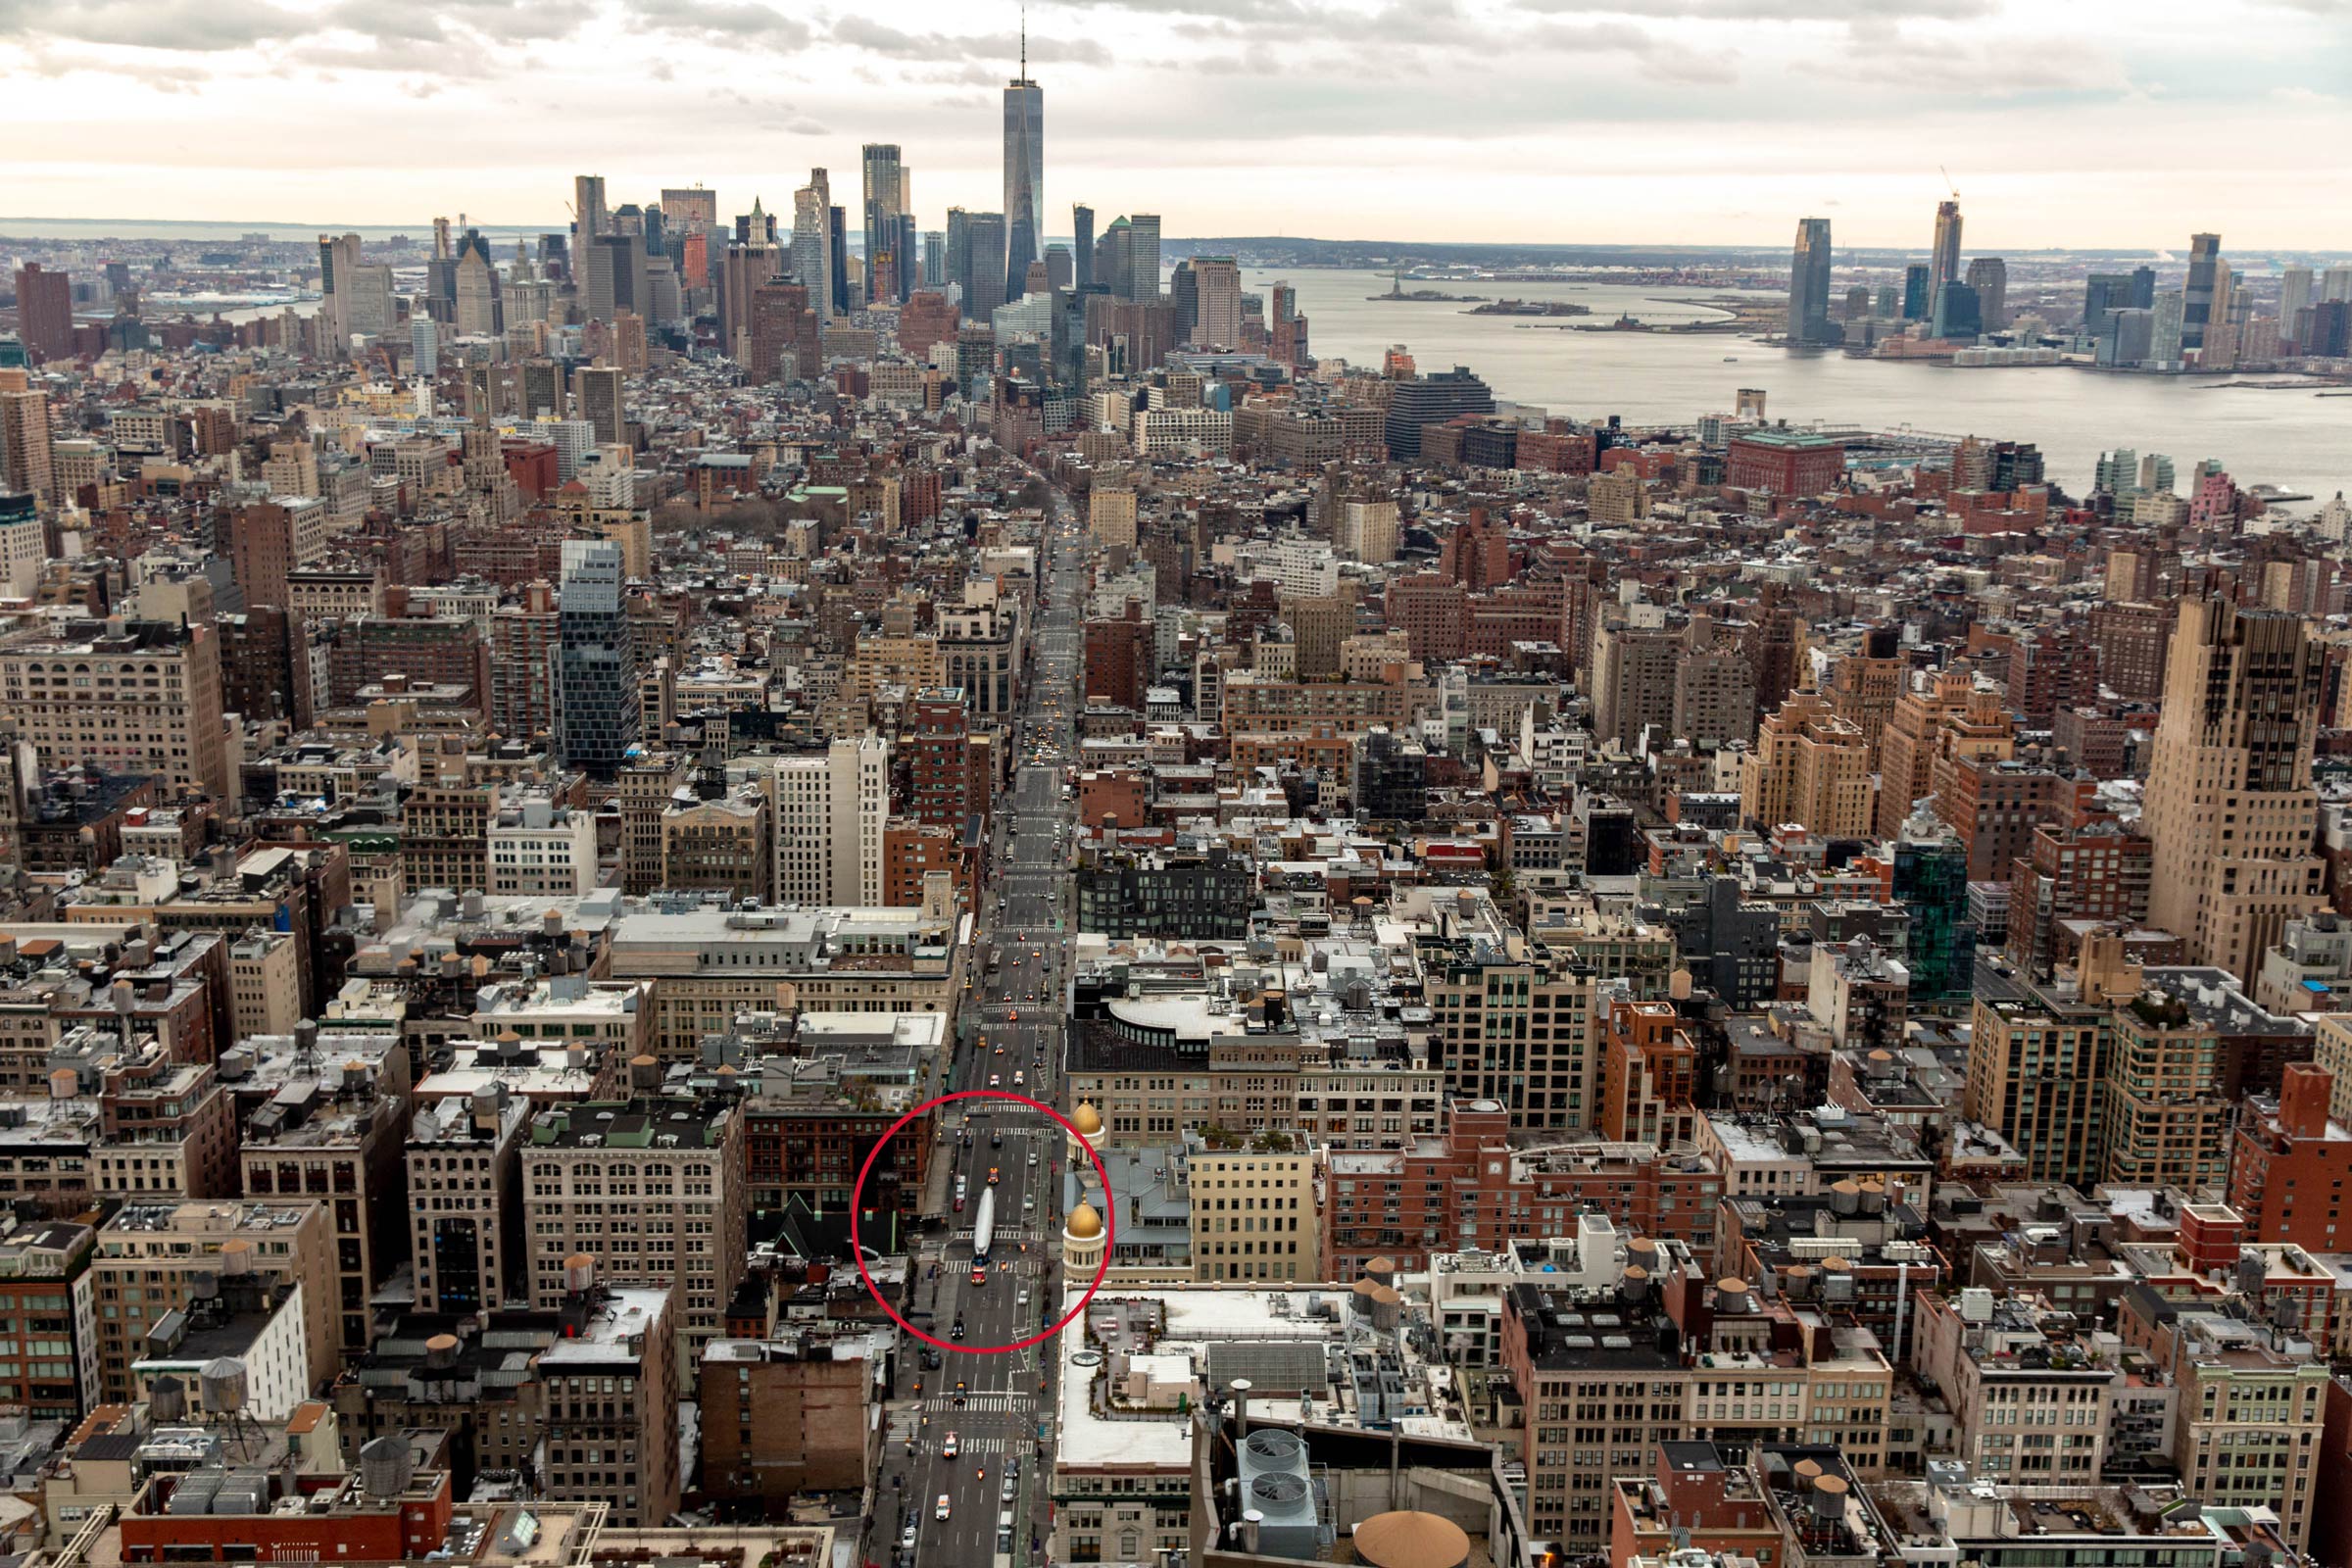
[2166, 342]
[572, 439]
[589, 217]
[813, 242]
[338, 262]
[829, 813]
[2294, 298]
[1368, 531]
[23, 554]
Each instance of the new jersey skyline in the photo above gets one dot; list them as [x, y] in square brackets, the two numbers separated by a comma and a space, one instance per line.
[1701, 121]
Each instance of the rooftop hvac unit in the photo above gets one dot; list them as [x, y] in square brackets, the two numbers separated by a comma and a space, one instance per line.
[1270, 1450]
[195, 1492]
[1287, 1527]
[244, 1492]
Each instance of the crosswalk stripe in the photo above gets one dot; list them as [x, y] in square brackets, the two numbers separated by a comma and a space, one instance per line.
[980, 1403]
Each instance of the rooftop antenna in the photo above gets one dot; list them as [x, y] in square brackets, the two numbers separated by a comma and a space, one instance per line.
[1024, 44]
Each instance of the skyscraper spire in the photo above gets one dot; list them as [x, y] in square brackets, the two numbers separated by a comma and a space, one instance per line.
[1024, 172]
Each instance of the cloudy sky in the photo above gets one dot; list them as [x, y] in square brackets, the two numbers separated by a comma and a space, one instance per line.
[2122, 122]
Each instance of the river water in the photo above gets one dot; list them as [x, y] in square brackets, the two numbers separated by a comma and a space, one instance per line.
[2288, 438]
[2292, 439]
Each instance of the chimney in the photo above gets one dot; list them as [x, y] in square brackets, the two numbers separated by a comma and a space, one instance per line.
[1240, 1411]
[2303, 1095]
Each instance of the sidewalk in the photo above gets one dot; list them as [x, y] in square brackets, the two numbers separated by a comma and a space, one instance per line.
[939, 1181]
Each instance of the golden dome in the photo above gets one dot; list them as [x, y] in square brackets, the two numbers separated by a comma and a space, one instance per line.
[1086, 1119]
[1085, 1223]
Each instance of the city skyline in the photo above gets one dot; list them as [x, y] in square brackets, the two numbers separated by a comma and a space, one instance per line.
[1708, 123]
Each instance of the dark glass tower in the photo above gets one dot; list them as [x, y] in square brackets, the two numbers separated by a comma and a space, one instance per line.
[1024, 177]
[985, 240]
[597, 661]
[2204, 277]
[1919, 292]
[1809, 285]
[840, 240]
[1931, 881]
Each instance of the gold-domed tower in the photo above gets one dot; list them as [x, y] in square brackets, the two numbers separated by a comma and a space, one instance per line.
[1083, 1238]
[1089, 1124]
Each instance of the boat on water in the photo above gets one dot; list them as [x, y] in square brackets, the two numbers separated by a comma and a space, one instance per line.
[1730, 359]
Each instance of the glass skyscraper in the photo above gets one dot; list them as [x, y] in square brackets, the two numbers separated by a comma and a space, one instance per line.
[1809, 285]
[1024, 179]
[596, 661]
[811, 241]
[1946, 261]
[885, 199]
[984, 268]
[1143, 257]
[1931, 881]
[2198, 299]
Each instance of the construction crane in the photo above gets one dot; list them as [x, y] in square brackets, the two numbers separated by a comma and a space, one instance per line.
[1947, 180]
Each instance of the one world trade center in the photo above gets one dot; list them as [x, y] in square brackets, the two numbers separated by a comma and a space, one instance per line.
[1024, 176]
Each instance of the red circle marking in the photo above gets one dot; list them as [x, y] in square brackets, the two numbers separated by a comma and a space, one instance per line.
[857, 1253]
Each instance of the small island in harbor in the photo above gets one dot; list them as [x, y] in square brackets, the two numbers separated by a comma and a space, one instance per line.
[1425, 295]
[1530, 308]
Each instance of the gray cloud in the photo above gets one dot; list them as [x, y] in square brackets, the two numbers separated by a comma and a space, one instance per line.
[1876, 12]
[727, 21]
[184, 26]
[519, 20]
[1667, 59]
[383, 23]
[1244, 11]
[207, 26]
[939, 48]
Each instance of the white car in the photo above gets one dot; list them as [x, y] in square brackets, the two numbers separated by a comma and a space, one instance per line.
[941, 1512]
[947, 1449]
